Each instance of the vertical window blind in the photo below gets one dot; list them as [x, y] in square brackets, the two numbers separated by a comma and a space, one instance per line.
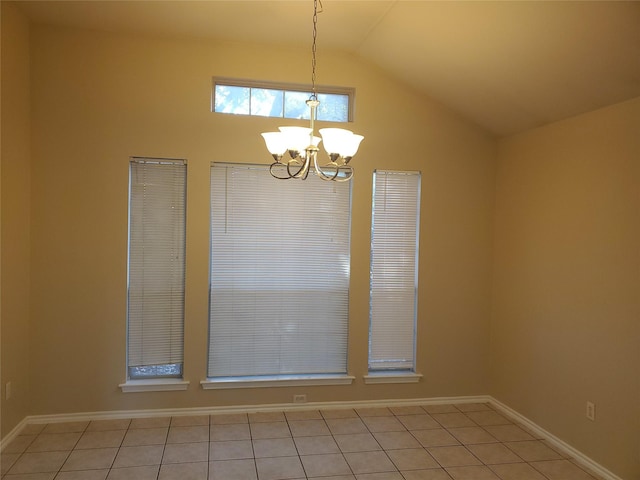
[155, 307]
[280, 264]
[394, 270]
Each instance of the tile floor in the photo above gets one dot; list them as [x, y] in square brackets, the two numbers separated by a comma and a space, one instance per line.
[430, 442]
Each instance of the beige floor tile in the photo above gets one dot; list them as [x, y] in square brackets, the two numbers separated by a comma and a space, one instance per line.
[455, 456]
[508, 433]
[534, 450]
[339, 413]
[150, 422]
[228, 418]
[32, 476]
[189, 420]
[383, 424]
[139, 456]
[266, 417]
[303, 415]
[230, 450]
[472, 435]
[325, 465]
[412, 459]
[342, 426]
[232, 470]
[488, 417]
[473, 407]
[369, 462]
[7, 460]
[308, 428]
[65, 427]
[436, 437]
[39, 462]
[93, 459]
[340, 477]
[357, 442]
[493, 453]
[395, 440]
[440, 408]
[316, 445]
[111, 424]
[147, 472]
[561, 470]
[101, 439]
[379, 476]
[184, 471]
[84, 475]
[472, 473]
[19, 444]
[186, 453]
[279, 468]
[274, 447]
[374, 412]
[33, 429]
[453, 420]
[418, 422]
[145, 436]
[517, 471]
[49, 442]
[407, 410]
[236, 431]
[270, 430]
[188, 434]
[431, 474]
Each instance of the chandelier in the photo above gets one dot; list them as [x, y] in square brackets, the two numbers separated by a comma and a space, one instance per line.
[301, 144]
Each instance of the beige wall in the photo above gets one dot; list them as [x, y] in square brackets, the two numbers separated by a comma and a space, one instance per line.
[100, 98]
[15, 217]
[566, 323]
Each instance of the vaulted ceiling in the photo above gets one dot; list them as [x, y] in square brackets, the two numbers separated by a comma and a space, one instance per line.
[507, 65]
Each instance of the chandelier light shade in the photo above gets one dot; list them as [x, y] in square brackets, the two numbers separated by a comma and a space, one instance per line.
[301, 145]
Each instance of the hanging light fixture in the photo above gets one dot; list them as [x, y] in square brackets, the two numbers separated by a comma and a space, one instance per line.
[302, 145]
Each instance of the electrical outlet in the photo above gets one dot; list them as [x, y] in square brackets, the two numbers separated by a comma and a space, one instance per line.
[300, 398]
[591, 411]
[7, 391]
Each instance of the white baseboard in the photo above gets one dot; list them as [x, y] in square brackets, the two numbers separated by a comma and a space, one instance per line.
[560, 445]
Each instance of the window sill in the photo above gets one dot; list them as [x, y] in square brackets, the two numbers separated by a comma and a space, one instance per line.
[154, 385]
[392, 377]
[275, 381]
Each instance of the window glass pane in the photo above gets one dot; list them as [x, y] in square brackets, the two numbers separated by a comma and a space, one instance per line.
[295, 105]
[231, 99]
[266, 102]
[394, 270]
[333, 107]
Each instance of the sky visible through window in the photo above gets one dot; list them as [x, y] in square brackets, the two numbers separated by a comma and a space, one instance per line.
[269, 102]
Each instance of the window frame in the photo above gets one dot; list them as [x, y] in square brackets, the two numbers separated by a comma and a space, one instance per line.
[350, 92]
[174, 381]
[394, 374]
[220, 379]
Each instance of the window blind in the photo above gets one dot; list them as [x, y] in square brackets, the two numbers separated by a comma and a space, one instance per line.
[156, 267]
[394, 270]
[279, 274]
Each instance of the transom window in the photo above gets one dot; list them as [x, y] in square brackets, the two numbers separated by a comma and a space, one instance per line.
[265, 99]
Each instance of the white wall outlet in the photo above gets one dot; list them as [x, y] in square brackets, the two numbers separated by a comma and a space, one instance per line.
[302, 398]
[591, 411]
[7, 391]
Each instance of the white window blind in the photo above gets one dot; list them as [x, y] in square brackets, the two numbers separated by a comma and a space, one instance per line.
[394, 270]
[279, 274]
[156, 267]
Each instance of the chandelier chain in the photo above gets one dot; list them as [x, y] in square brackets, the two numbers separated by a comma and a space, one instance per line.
[314, 95]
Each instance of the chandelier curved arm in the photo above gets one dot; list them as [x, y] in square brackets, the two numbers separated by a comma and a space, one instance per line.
[331, 172]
